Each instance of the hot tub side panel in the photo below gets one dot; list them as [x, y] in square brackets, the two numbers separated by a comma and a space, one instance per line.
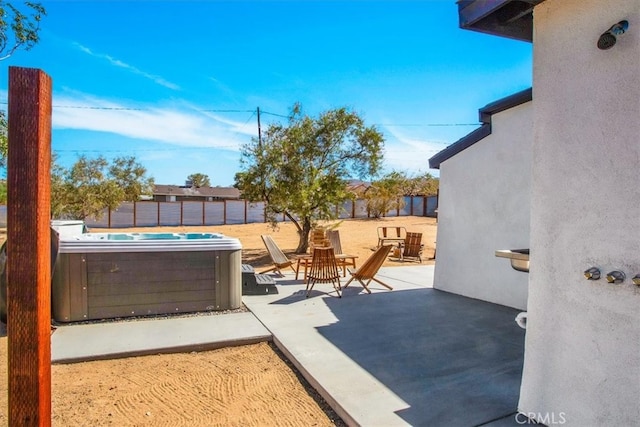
[229, 292]
[69, 288]
[143, 283]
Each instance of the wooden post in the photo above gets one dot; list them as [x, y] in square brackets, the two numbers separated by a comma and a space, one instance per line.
[411, 206]
[425, 200]
[29, 247]
[109, 217]
[245, 211]
[204, 219]
[134, 213]
[224, 211]
[181, 213]
[158, 220]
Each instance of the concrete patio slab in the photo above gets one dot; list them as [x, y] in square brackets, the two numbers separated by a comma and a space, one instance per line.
[411, 356]
[74, 343]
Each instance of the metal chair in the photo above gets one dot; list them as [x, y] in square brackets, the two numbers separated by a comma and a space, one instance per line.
[391, 234]
[324, 269]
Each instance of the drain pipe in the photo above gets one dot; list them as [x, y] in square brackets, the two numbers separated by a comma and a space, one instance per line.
[521, 320]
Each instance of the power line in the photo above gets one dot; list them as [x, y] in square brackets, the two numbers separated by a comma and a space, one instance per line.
[88, 107]
[426, 124]
[155, 150]
[212, 110]
[274, 114]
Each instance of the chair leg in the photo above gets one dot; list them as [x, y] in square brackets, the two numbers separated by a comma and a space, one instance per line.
[349, 281]
[365, 285]
[297, 269]
[382, 283]
[270, 269]
[310, 284]
[337, 288]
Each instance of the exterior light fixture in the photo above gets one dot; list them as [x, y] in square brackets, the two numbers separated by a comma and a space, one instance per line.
[615, 277]
[608, 38]
[592, 274]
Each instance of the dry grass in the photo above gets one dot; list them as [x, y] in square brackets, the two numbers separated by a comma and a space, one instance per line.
[358, 236]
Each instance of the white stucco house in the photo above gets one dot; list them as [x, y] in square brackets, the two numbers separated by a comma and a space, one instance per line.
[582, 346]
[484, 204]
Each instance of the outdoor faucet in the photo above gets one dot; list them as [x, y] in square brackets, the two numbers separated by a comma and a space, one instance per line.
[615, 277]
[592, 274]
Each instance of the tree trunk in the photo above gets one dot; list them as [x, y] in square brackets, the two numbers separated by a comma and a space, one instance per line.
[303, 233]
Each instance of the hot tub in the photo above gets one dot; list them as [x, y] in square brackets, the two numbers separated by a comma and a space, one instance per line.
[108, 275]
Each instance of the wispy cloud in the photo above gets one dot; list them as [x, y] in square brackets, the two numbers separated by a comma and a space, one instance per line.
[224, 89]
[116, 62]
[407, 153]
[178, 126]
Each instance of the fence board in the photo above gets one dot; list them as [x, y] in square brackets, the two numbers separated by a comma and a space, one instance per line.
[169, 214]
[122, 216]
[235, 211]
[255, 212]
[214, 213]
[146, 214]
[192, 213]
[346, 210]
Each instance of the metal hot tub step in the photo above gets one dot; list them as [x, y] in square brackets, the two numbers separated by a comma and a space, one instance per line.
[257, 284]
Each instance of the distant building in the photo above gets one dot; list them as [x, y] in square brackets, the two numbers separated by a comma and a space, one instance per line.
[358, 187]
[176, 193]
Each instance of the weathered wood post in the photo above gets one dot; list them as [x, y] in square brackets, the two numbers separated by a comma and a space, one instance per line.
[28, 247]
[224, 211]
[245, 211]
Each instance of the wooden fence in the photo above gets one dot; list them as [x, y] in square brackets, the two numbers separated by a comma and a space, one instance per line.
[222, 212]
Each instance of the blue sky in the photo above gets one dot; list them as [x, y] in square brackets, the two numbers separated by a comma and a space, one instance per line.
[177, 83]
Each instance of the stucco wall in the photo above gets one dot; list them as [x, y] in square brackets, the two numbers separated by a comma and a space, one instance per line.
[582, 355]
[484, 206]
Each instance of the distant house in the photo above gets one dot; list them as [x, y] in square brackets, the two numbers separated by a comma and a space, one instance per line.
[175, 193]
[358, 187]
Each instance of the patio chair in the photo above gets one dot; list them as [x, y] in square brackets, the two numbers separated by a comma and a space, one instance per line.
[324, 269]
[278, 258]
[368, 270]
[412, 247]
[391, 234]
[343, 260]
[317, 237]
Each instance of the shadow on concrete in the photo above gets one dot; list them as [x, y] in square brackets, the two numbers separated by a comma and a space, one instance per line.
[455, 361]
[301, 295]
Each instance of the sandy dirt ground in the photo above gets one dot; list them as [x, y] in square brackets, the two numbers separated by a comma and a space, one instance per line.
[357, 237]
[237, 386]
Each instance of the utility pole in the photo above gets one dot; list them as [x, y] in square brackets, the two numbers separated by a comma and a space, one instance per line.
[259, 131]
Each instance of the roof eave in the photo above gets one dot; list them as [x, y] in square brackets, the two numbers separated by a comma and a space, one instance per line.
[506, 18]
[483, 131]
[460, 145]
